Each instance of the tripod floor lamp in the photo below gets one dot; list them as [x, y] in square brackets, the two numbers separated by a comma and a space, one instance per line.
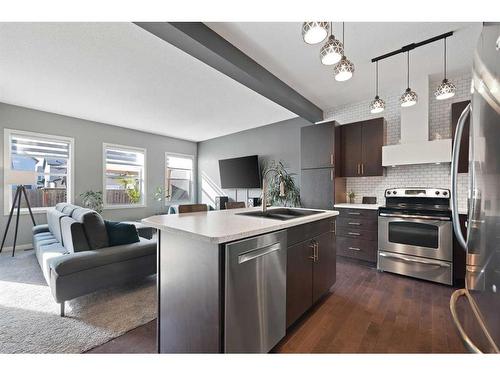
[20, 179]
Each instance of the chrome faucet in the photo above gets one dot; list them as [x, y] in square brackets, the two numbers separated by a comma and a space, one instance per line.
[264, 187]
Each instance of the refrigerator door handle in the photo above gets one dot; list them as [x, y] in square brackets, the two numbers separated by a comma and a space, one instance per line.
[463, 335]
[454, 173]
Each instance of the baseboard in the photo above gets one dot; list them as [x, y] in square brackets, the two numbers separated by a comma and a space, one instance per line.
[26, 246]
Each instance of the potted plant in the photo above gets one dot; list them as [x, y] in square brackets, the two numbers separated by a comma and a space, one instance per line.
[291, 196]
[350, 196]
[92, 199]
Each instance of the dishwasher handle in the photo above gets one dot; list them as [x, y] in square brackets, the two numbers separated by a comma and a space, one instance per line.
[257, 253]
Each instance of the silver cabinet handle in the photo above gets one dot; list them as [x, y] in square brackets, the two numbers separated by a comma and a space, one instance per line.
[463, 335]
[316, 251]
[413, 260]
[354, 223]
[415, 217]
[312, 246]
[454, 173]
[354, 248]
[258, 253]
[353, 213]
[354, 233]
[331, 159]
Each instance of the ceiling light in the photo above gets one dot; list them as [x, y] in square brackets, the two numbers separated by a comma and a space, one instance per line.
[344, 69]
[332, 51]
[377, 105]
[446, 89]
[409, 97]
[314, 32]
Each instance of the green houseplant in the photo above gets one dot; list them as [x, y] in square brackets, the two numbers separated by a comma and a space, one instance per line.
[291, 197]
[92, 199]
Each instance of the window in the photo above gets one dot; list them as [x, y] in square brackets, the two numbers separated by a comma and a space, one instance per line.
[178, 178]
[124, 176]
[50, 157]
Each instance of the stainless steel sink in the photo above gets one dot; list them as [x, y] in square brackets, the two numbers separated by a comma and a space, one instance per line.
[281, 213]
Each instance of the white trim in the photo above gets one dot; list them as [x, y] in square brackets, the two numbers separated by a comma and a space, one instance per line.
[70, 182]
[143, 202]
[191, 184]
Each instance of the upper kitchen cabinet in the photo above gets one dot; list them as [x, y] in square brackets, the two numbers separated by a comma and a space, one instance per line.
[361, 148]
[463, 158]
[317, 145]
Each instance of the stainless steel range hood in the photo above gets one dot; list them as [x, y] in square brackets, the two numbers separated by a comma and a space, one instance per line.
[415, 147]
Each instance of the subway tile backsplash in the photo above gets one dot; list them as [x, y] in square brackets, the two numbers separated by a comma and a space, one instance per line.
[421, 175]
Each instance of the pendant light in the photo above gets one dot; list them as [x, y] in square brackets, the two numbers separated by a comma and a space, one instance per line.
[409, 97]
[314, 32]
[332, 51]
[446, 89]
[377, 105]
[344, 69]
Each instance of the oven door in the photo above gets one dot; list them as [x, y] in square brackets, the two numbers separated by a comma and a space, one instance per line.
[429, 238]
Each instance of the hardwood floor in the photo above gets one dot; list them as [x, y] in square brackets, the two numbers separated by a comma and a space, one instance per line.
[367, 312]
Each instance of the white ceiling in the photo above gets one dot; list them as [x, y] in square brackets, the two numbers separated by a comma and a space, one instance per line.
[119, 74]
[278, 46]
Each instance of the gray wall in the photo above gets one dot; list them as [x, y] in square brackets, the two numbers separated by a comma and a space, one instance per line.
[278, 141]
[89, 137]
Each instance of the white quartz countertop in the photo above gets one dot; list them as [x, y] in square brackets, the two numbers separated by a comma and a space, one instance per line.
[358, 206]
[225, 226]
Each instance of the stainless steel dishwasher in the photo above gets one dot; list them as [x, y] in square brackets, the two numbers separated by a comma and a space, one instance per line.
[255, 293]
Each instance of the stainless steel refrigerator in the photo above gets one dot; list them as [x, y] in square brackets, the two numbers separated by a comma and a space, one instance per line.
[476, 309]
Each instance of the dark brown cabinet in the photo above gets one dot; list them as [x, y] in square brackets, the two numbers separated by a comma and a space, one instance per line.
[311, 266]
[357, 234]
[361, 148]
[463, 158]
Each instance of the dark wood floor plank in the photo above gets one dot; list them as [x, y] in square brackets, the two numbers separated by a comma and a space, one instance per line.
[367, 312]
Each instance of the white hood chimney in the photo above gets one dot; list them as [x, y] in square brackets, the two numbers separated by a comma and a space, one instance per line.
[415, 147]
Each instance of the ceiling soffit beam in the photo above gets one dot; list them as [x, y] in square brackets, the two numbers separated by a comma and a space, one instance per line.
[201, 42]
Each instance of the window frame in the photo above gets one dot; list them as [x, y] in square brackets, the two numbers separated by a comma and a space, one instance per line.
[191, 182]
[143, 202]
[70, 182]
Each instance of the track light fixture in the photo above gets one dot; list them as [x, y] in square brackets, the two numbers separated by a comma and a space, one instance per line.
[446, 89]
[377, 105]
[409, 97]
[332, 51]
[314, 32]
[344, 69]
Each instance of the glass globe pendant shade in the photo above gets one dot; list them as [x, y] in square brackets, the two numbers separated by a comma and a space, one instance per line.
[377, 106]
[332, 51]
[314, 32]
[343, 70]
[408, 98]
[445, 90]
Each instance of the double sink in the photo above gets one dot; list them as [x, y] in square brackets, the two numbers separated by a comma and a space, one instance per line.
[281, 213]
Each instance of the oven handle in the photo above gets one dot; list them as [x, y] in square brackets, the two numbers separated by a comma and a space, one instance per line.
[415, 217]
[413, 260]
[454, 173]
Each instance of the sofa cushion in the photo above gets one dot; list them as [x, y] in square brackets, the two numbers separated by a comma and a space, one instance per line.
[54, 221]
[73, 234]
[69, 208]
[93, 226]
[86, 260]
[121, 233]
[60, 206]
[41, 228]
[46, 253]
[42, 238]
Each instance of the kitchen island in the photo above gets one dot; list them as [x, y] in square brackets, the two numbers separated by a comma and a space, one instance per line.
[230, 282]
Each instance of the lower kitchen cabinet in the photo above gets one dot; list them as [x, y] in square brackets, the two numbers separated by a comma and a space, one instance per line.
[311, 266]
[357, 234]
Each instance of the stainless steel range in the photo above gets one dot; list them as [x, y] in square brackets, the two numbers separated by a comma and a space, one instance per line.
[415, 234]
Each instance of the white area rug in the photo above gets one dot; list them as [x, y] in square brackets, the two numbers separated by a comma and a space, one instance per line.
[29, 315]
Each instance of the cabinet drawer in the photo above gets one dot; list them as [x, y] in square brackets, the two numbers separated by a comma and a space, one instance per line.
[357, 223]
[360, 234]
[307, 231]
[359, 249]
[358, 213]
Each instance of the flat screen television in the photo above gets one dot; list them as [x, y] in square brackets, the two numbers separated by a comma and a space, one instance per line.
[241, 173]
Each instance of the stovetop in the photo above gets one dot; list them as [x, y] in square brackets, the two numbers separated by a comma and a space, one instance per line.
[417, 201]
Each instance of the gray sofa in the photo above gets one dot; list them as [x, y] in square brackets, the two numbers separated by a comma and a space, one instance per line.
[76, 259]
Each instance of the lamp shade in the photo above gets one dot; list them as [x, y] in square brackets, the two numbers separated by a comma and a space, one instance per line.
[13, 177]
